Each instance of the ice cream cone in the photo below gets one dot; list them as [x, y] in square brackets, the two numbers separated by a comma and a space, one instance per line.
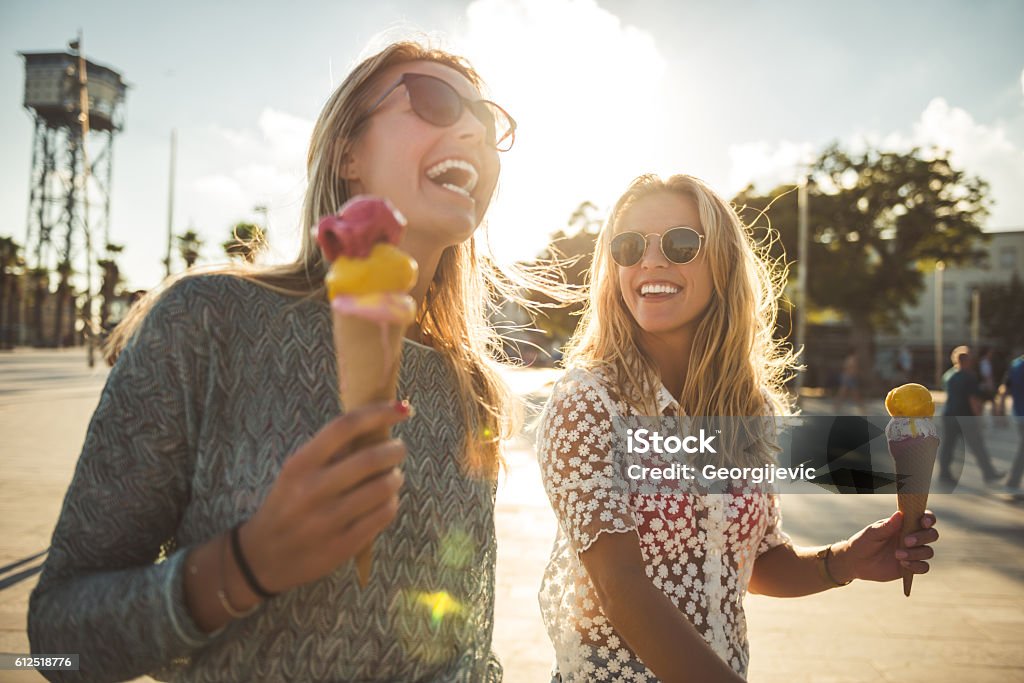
[369, 354]
[915, 460]
[367, 284]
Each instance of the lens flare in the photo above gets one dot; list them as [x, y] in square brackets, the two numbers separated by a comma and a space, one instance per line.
[441, 604]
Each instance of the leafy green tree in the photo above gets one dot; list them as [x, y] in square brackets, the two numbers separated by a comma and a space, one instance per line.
[877, 222]
[189, 246]
[64, 303]
[572, 251]
[39, 278]
[247, 240]
[11, 266]
[111, 280]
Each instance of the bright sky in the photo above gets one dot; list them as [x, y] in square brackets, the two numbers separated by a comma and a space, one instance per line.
[732, 91]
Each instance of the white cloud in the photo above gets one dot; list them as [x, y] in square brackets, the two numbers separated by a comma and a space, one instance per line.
[766, 164]
[979, 149]
[261, 165]
[985, 150]
[587, 92]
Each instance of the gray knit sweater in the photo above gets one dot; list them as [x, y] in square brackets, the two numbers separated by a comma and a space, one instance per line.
[221, 383]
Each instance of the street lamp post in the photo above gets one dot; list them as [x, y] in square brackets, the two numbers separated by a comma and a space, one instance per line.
[170, 200]
[83, 119]
[265, 212]
[939, 267]
[975, 317]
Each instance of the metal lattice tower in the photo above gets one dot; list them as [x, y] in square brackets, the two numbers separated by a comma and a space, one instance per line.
[61, 233]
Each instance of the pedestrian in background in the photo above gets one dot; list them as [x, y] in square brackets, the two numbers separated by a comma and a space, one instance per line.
[986, 380]
[905, 364]
[849, 383]
[1013, 386]
[960, 419]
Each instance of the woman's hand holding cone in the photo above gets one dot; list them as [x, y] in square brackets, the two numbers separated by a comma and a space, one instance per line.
[328, 501]
[874, 552]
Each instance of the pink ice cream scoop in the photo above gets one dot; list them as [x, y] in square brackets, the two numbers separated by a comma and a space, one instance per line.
[361, 244]
[360, 224]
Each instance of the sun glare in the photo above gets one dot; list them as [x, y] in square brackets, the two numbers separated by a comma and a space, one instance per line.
[587, 92]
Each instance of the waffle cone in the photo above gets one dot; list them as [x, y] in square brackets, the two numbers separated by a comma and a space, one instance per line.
[369, 354]
[915, 460]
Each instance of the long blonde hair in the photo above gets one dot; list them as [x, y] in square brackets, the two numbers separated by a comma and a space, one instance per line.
[454, 313]
[736, 364]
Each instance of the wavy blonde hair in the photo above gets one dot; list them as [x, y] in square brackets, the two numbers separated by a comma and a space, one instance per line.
[454, 313]
[736, 364]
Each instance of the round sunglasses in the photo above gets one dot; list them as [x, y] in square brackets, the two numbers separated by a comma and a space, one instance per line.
[435, 101]
[679, 245]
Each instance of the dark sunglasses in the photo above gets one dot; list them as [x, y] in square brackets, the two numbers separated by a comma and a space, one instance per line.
[679, 245]
[437, 102]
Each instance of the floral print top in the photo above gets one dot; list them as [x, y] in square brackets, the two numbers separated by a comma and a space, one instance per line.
[698, 548]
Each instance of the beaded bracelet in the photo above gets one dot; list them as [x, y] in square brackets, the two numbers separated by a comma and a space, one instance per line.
[243, 565]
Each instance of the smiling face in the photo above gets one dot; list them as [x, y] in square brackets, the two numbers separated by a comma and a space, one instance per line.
[666, 300]
[440, 178]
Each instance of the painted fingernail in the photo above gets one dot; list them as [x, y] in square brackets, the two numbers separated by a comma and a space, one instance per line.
[902, 555]
[910, 540]
[404, 408]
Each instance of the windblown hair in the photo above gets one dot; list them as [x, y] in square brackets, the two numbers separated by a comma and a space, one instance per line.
[464, 288]
[736, 365]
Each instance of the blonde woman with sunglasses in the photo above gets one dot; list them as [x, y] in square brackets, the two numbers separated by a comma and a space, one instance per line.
[649, 586]
[218, 498]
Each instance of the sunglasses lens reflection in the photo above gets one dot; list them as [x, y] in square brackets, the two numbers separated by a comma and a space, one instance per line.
[680, 245]
[438, 103]
[628, 249]
[434, 101]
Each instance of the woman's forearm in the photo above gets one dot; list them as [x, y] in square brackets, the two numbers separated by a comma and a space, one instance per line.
[209, 570]
[653, 627]
[124, 623]
[788, 571]
[663, 638]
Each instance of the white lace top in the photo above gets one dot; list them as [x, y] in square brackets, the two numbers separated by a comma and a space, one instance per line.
[698, 549]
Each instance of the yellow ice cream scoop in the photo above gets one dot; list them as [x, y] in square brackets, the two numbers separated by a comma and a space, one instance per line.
[910, 400]
[386, 269]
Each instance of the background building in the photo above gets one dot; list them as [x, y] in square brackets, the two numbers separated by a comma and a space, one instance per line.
[1004, 257]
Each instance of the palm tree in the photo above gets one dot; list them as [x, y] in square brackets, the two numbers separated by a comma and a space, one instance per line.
[65, 297]
[189, 245]
[111, 279]
[247, 240]
[40, 279]
[11, 264]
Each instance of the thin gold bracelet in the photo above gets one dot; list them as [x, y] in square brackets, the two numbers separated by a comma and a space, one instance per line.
[221, 592]
[822, 557]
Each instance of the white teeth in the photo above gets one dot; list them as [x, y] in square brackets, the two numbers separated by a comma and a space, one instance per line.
[468, 184]
[456, 189]
[649, 288]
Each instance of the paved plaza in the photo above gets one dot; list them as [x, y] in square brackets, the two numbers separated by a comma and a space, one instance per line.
[965, 620]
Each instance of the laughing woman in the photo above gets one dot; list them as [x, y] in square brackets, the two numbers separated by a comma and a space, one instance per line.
[218, 498]
[648, 586]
